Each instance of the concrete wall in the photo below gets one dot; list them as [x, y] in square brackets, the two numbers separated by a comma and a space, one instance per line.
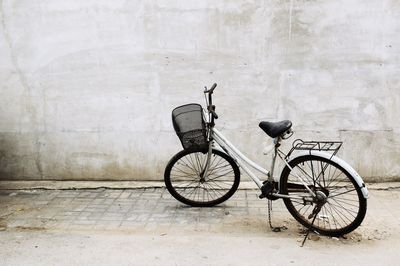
[87, 87]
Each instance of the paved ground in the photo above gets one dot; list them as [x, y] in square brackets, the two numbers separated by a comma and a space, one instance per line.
[148, 227]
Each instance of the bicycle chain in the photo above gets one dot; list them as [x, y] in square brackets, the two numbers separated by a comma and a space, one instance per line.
[277, 228]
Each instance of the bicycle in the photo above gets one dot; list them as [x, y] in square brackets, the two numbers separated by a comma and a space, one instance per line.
[320, 190]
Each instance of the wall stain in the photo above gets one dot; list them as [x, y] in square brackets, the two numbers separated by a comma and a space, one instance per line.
[27, 96]
[242, 17]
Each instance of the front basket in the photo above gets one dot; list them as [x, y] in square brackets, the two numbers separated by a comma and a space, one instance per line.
[190, 126]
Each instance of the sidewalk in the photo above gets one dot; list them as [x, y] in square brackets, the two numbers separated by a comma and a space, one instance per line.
[144, 209]
[125, 216]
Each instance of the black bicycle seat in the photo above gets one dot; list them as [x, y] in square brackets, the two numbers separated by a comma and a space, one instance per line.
[275, 129]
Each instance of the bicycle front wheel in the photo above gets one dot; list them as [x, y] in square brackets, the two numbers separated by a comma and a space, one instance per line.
[344, 205]
[185, 181]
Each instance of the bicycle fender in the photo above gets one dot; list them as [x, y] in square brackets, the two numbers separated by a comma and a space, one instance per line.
[340, 162]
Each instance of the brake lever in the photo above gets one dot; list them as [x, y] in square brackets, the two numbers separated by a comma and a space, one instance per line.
[211, 109]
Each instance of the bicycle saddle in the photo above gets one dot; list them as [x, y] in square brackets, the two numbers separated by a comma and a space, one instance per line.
[274, 129]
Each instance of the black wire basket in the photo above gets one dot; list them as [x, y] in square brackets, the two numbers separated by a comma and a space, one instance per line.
[189, 125]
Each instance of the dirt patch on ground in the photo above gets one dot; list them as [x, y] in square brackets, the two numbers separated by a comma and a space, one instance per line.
[364, 235]
[291, 229]
[3, 224]
[30, 228]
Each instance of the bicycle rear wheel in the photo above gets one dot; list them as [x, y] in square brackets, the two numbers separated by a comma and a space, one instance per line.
[345, 205]
[184, 179]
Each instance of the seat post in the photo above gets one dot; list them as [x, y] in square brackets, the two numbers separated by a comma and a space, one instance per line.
[277, 142]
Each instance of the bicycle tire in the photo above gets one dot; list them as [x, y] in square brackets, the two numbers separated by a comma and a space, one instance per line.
[334, 219]
[182, 178]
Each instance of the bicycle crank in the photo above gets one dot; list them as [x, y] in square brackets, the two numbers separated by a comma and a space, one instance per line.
[267, 189]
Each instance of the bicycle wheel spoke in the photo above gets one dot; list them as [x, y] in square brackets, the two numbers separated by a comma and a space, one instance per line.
[312, 173]
[188, 183]
[307, 207]
[314, 177]
[323, 168]
[349, 209]
[341, 206]
[305, 174]
[195, 163]
[335, 195]
[331, 215]
[190, 162]
[335, 178]
[218, 169]
[177, 169]
[313, 182]
[221, 175]
[188, 192]
[343, 210]
[215, 185]
[216, 192]
[213, 194]
[346, 201]
[214, 162]
[197, 160]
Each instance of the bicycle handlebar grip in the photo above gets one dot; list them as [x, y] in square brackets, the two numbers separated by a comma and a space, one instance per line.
[213, 87]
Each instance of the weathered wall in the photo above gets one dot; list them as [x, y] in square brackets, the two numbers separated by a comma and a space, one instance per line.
[87, 86]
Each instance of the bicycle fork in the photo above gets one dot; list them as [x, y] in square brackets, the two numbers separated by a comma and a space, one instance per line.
[204, 173]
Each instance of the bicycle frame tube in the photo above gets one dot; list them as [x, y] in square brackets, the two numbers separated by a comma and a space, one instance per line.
[239, 157]
[235, 153]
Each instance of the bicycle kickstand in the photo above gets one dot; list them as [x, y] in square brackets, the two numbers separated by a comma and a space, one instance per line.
[314, 213]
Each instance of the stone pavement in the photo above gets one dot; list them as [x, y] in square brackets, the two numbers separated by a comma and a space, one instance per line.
[154, 210]
[145, 209]
[146, 226]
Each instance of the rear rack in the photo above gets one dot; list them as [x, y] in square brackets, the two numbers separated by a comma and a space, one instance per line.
[329, 146]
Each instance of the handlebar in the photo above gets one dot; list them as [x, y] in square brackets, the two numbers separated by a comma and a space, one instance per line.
[211, 90]
[211, 107]
[213, 87]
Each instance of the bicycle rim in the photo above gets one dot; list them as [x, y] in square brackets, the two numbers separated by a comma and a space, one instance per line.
[185, 181]
[345, 205]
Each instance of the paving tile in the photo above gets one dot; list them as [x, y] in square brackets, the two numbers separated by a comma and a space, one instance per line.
[132, 225]
[64, 217]
[149, 209]
[84, 222]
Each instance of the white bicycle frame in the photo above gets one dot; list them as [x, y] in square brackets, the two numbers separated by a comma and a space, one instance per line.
[239, 157]
[243, 161]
